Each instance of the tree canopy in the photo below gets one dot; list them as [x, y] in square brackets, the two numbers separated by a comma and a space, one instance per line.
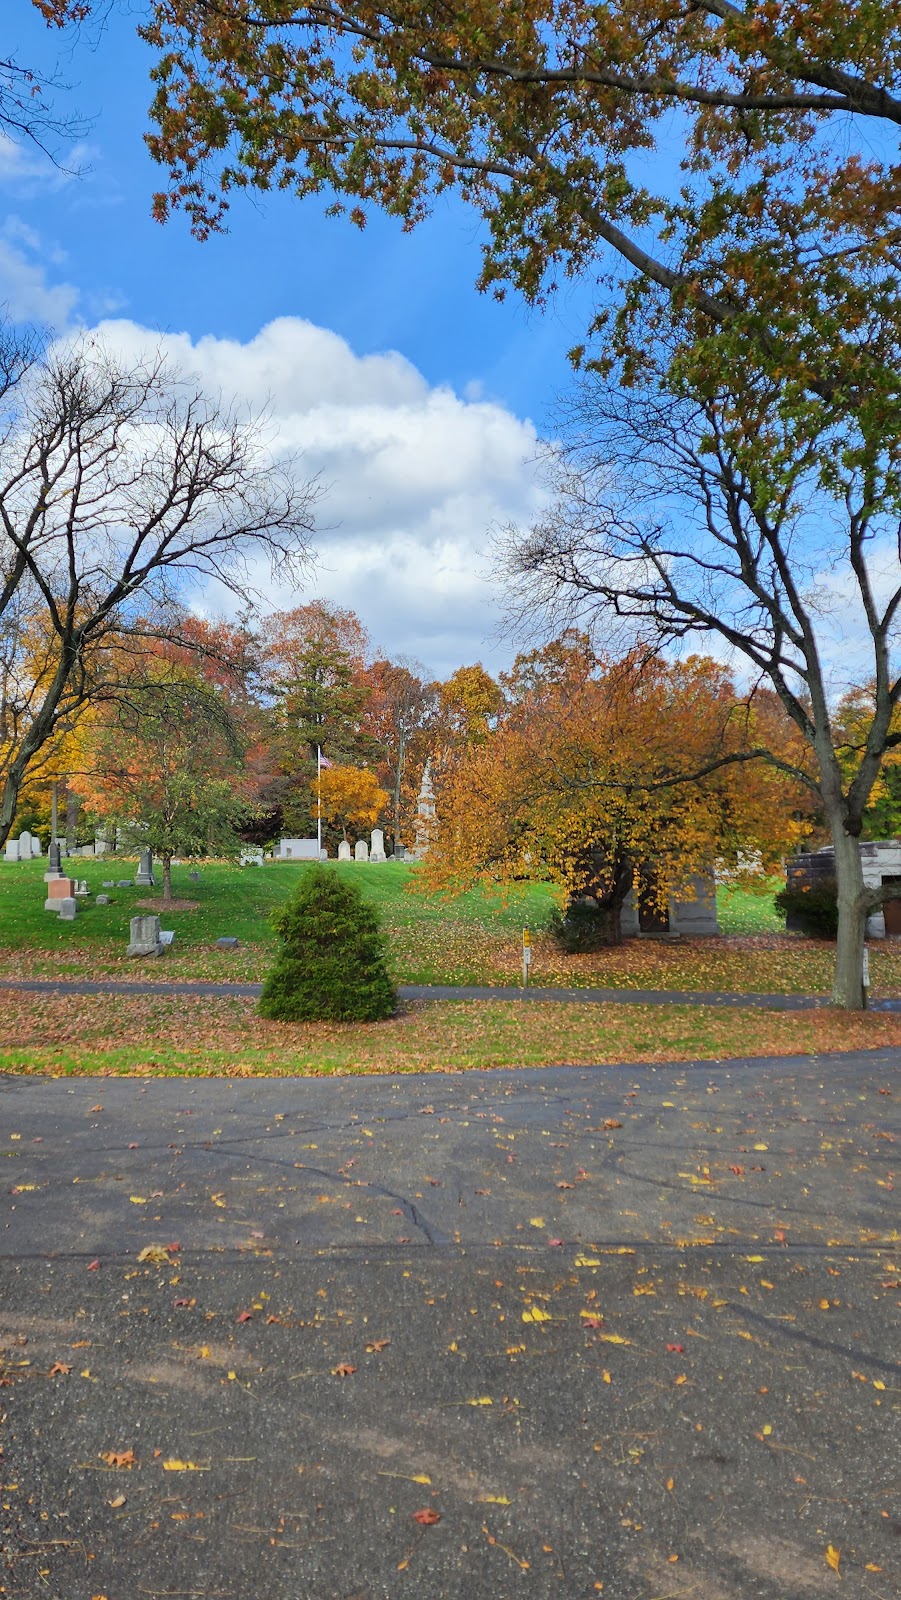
[599, 774]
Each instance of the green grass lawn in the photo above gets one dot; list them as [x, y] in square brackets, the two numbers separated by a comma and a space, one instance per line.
[473, 939]
[741, 911]
[434, 939]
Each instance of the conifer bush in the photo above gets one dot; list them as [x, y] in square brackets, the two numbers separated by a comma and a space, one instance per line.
[331, 964]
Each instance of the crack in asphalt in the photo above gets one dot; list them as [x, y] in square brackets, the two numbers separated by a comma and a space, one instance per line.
[411, 1211]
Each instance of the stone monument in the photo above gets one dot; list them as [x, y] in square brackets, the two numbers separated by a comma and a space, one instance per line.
[377, 850]
[145, 937]
[425, 813]
[361, 850]
[144, 876]
[344, 850]
[54, 869]
[61, 897]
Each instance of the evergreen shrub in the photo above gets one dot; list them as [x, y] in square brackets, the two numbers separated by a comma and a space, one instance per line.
[583, 927]
[812, 910]
[331, 964]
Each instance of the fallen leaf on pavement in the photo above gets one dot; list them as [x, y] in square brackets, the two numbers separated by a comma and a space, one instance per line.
[59, 1369]
[427, 1517]
[833, 1557]
[344, 1370]
[119, 1458]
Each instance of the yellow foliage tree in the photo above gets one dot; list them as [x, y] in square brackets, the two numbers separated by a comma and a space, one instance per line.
[348, 797]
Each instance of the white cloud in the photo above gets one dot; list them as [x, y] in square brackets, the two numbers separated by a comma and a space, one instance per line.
[25, 293]
[414, 477]
[27, 169]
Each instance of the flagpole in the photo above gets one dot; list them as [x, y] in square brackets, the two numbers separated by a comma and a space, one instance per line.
[319, 798]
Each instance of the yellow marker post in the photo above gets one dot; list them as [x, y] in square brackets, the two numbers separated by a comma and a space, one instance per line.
[526, 956]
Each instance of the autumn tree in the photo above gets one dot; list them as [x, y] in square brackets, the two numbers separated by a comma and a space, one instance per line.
[120, 485]
[399, 717]
[778, 232]
[608, 777]
[348, 797]
[164, 765]
[852, 724]
[468, 702]
[686, 517]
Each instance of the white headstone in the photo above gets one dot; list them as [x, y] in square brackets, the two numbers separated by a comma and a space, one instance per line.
[361, 850]
[298, 850]
[12, 849]
[344, 850]
[25, 845]
[377, 852]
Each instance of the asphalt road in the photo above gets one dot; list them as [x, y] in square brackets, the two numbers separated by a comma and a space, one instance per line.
[627, 1331]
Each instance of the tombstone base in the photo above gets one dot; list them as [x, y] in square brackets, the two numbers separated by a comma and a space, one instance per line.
[145, 880]
[144, 949]
[50, 877]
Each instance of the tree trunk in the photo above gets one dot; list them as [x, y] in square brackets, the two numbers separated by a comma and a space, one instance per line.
[72, 809]
[167, 879]
[847, 987]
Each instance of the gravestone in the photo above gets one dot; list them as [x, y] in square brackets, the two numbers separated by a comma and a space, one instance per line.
[54, 868]
[251, 858]
[400, 851]
[226, 944]
[144, 877]
[361, 850]
[12, 849]
[102, 900]
[166, 939]
[109, 883]
[145, 937]
[194, 877]
[124, 883]
[82, 888]
[60, 891]
[25, 850]
[344, 850]
[377, 852]
[67, 910]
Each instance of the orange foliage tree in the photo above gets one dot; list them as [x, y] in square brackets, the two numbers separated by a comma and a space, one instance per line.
[350, 797]
[598, 776]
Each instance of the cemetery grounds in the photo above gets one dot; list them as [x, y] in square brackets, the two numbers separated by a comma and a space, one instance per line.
[473, 939]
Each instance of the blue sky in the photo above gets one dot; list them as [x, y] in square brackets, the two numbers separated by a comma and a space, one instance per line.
[425, 439]
[380, 289]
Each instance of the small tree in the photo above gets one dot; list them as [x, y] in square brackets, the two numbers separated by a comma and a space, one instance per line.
[350, 797]
[165, 768]
[331, 966]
